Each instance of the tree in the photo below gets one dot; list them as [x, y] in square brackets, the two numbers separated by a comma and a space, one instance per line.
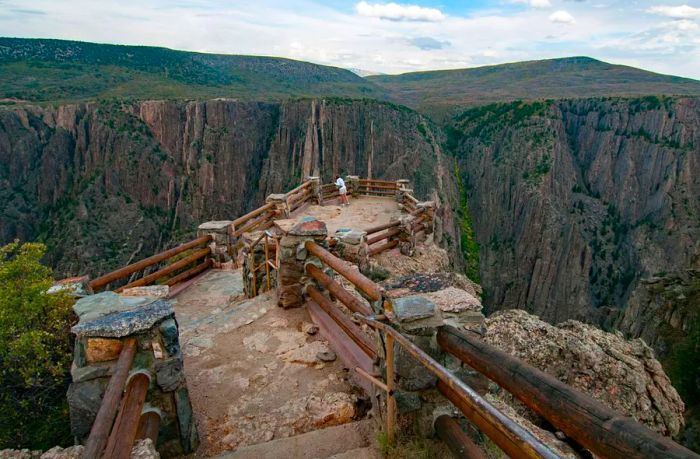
[35, 352]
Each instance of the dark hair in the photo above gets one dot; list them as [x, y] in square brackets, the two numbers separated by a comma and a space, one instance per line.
[337, 176]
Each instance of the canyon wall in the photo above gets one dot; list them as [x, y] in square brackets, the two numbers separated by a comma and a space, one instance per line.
[574, 203]
[107, 183]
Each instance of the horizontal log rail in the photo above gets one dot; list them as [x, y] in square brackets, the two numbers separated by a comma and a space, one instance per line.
[507, 434]
[348, 326]
[378, 186]
[348, 299]
[458, 442]
[363, 284]
[376, 229]
[140, 265]
[381, 237]
[102, 425]
[171, 268]
[593, 425]
[254, 222]
[183, 276]
[381, 248]
[254, 213]
[300, 188]
[410, 198]
[381, 182]
[121, 440]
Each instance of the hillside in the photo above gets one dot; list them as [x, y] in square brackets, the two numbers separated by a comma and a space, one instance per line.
[39, 70]
[442, 93]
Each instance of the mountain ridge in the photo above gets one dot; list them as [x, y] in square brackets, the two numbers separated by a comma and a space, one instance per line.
[442, 93]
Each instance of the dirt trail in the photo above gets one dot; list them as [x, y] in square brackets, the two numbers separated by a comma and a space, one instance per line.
[253, 375]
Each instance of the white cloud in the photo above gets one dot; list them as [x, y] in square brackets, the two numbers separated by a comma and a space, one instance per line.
[561, 17]
[682, 11]
[535, 3]
[397, 12]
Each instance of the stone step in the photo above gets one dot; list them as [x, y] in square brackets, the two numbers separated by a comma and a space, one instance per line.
[331, 442]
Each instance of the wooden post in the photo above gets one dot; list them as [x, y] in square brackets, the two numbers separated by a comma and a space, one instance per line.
[110, 402]
[390, 399]
[267, 265]
[593, 425]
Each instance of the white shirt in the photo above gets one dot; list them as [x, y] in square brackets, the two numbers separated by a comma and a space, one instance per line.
[340, 183]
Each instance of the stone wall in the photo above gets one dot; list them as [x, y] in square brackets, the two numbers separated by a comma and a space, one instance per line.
[105, 321]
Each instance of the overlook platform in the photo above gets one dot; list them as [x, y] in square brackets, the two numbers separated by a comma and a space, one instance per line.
[253, 372]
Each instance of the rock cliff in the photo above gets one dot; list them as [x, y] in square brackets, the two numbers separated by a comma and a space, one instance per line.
[107, 183]
[574, 202]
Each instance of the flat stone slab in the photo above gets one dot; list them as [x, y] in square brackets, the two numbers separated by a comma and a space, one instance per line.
[411, 308]
[215, 225]
[110, 315]
[350, 236]
[308, 226]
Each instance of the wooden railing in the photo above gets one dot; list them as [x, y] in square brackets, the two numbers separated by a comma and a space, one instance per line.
[269, 263]
[377, 187]
[259, 219]
[299, 195]
[591, 424]
[169, 269]
[583, 419]
[117, 425]
[485, 415]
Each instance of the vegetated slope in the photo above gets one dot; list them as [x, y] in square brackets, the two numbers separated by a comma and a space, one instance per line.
[441, 93]
[41, 70]
[111, 182]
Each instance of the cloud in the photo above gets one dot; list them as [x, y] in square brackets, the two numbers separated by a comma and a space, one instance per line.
[561, 17]
[535, 3]
[679, 12]
[428, 43]
[397, 12]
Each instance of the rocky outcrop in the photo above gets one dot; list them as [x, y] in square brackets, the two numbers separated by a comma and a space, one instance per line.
[622, 374]
[573, 202]
[107, 183]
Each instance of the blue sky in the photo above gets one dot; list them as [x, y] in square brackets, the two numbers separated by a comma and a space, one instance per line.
[387, 37]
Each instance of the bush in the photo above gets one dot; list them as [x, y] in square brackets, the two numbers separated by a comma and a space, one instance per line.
[35, 352]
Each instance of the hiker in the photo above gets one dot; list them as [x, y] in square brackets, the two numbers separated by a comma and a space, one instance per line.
[340, 183]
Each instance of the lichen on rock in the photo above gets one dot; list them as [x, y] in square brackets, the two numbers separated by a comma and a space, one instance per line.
[623, 374]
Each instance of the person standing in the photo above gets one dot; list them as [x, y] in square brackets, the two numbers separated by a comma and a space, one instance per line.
[340, 183]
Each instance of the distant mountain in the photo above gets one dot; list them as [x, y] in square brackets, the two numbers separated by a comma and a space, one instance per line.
[40, 70]
[446, 91]
[363, 72]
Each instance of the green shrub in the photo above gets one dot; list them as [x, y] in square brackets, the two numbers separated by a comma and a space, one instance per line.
[35, 352]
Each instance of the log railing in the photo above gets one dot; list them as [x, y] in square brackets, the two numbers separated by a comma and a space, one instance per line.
[587, 421]
[259, 219]
[121, 273]
[268, 264]
[119, 421]
[507, 434]
[377, 187]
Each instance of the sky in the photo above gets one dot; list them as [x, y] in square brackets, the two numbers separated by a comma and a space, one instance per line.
[383, 37]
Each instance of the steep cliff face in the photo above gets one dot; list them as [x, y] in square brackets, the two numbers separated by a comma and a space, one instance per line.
[574, 202]
[106, 183]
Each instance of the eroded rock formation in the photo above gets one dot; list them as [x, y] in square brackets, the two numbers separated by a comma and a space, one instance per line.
[623, 374]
